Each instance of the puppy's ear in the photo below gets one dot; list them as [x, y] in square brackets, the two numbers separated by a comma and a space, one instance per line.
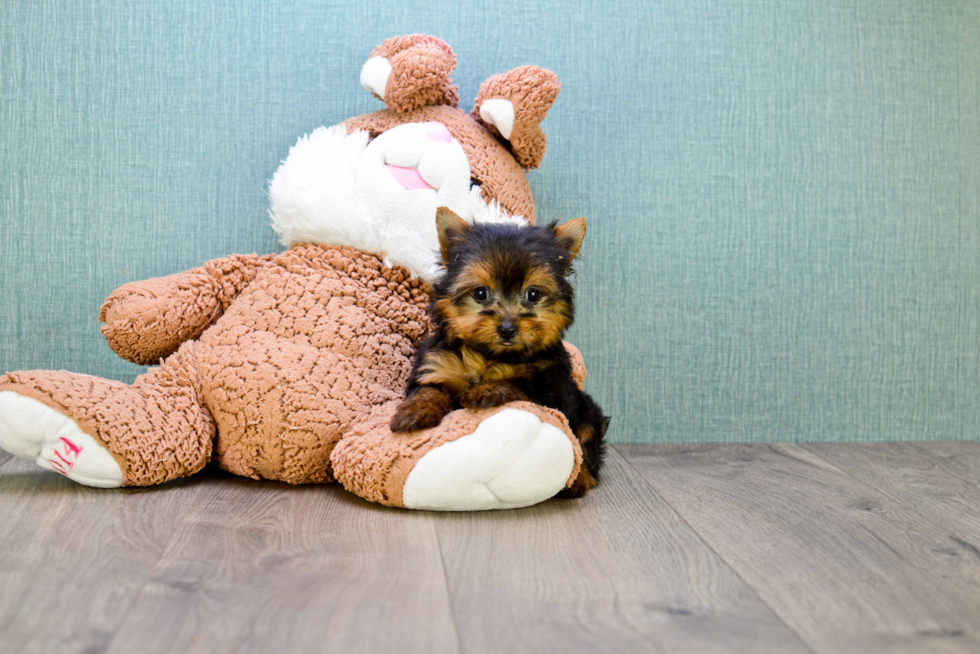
[451, 229]
[571, 235]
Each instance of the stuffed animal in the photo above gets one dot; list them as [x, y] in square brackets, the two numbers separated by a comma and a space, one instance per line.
[289, 366]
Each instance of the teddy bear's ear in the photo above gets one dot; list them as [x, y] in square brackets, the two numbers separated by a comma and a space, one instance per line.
[514, 104]
[408, 72]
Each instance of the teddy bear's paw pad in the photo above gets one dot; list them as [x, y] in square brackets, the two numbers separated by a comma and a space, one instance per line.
[32, 430]
[512, 459]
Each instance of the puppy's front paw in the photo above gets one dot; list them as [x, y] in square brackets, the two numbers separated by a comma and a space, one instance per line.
[487, 396]
[583, 483]
[423, 410]
[404, 421]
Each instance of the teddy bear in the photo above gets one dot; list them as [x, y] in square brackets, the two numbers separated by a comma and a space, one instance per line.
[289, 366]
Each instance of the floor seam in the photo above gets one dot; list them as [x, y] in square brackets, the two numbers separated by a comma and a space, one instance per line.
[449, 592]
[711, 547]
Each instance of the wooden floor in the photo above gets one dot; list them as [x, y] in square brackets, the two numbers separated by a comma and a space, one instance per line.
[700, 548]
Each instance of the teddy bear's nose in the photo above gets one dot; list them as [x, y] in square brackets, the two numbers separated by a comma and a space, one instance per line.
[437, 132]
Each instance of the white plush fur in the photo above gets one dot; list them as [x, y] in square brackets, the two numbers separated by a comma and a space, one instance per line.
[334, 188]
[511, 460]
[499, 113]
[32, 430]
[375, 74]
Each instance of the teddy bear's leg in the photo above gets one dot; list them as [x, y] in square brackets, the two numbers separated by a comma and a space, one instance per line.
[104, 433]
[32, 430]
[506, 457]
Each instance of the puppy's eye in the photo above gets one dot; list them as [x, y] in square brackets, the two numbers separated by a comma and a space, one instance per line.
[481, 293]
[475, 182]
[532, 295]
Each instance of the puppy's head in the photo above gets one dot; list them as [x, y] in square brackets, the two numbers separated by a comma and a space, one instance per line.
[505, 290]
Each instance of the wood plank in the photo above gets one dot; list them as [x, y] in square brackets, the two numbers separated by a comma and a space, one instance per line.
[960, 458]
[848, 568]
[262, 566]
[617, 571]
[919, 479]
[73, 559]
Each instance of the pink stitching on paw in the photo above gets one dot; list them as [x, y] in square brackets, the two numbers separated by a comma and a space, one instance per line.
[71, 451]
[77, 449]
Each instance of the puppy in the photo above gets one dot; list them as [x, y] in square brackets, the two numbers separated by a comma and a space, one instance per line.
[499, 314]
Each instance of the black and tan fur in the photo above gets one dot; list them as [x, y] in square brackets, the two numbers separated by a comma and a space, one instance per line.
[499, 314]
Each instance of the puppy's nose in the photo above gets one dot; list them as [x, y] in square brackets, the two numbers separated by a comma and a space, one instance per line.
[507, 330]
[436, 131]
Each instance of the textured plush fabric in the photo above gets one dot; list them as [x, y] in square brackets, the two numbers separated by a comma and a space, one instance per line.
[148, 320]
[301, 353]
[783, 204]
[158, 429]
[531, 92]
[420, 67]
[374, 464]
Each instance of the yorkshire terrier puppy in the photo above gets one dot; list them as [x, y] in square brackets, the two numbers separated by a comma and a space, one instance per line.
[498, 317]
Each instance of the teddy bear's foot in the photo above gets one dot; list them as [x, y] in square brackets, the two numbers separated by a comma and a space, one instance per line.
[501, 458]
[32, 430]
[512, 459]
[155, 430]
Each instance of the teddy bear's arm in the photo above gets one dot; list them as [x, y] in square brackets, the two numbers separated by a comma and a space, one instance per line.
[578, 364]
[148, 320]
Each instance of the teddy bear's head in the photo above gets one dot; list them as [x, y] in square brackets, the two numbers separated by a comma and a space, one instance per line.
[374, 182]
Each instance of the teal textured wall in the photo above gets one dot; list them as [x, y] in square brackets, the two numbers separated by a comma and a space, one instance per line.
[783, 196]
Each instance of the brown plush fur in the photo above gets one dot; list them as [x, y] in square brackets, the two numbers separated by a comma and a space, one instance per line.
[532, 91]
